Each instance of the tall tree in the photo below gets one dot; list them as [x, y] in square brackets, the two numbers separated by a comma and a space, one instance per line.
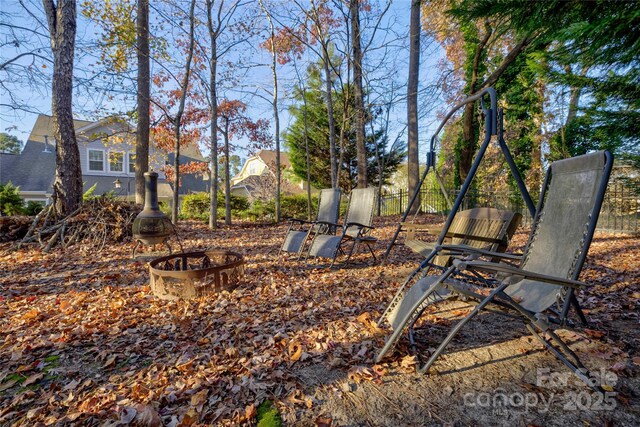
[178, 116]
[276, 116]
[67, 186]
[9, 144]
[413, 160]
[233, 123]
[219, 16]
[308, 134]
[354, 9]
[144, 98]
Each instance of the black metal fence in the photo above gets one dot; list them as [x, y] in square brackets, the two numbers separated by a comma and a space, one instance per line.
[620, 211]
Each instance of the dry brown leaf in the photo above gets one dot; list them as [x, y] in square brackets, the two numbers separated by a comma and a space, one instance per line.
[33, 379]
[593, 333]
[111, 361]
[250, 412]
[147, 416]
[323, 422]
[295, 350]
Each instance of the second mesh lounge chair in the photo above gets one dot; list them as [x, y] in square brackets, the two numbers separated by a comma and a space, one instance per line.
[539, 291]
[357, 225]
[300, 230]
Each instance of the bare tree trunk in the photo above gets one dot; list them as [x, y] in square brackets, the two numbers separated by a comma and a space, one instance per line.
[142, 132]
[346, 101]
[227, 180]
[178, 117]
[413, 160]
[67, 187]
[361, 151]
[332, 128]
[276, 116]
[213, 81]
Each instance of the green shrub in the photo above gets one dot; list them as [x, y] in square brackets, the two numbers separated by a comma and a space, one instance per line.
[268, 415]
[10, 200]
[88, 195]
[165, 208]
[296, 206]
[33, 208]
[196, 206]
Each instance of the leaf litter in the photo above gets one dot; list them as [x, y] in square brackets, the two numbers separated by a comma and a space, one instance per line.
[304, 338]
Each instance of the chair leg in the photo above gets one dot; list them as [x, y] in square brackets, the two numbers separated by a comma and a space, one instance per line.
[459, 326]
[335, 255]
[576, 366]
[576, 306]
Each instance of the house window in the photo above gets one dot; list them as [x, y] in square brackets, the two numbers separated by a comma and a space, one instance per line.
[116, 161]
[96, 160]
[132, 162]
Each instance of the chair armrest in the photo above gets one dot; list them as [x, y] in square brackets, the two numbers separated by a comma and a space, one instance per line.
[413, 229]
[357, 224]
[483, 252]
[514, 271]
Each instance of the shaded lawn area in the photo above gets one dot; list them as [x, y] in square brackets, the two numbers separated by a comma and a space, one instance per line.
[83, 341]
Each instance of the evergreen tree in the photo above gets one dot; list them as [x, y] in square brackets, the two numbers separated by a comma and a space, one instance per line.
[318, 140]
[600, 38]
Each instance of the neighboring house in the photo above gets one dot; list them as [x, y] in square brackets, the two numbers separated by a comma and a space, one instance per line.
[256, 179]
[107, 155]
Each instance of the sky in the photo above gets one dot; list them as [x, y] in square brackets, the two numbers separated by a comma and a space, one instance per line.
[36, 95]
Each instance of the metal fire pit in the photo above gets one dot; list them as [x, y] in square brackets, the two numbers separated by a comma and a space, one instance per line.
[195, 274]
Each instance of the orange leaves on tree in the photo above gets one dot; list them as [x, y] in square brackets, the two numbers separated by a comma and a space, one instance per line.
[286, 43]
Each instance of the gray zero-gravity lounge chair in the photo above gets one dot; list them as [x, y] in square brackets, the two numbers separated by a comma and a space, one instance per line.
[357, 225]
[540, 290]
[482, 228]
[326, 217]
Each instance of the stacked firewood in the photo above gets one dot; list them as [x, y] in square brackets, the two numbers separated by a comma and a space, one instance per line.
[96, 222]
[13, 228]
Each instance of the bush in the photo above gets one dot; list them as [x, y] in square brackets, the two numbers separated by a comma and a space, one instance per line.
[296, 206]
[196, 206]
[165, 208]
[10, 201]
[33, 208]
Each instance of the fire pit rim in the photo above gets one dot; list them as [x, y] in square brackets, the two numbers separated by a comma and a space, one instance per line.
[200, 272]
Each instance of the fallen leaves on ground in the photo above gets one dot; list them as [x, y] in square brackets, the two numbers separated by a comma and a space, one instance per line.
[84, 341]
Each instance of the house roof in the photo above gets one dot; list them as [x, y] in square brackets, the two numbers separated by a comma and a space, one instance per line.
[269, 158]
[44, 126]
[20, 170]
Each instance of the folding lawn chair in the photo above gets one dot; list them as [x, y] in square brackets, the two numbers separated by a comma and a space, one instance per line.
[357, 225]
[540, 290]
[326, 217]
[482, 228]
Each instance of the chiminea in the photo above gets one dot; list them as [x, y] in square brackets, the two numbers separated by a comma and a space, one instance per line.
[151, 226]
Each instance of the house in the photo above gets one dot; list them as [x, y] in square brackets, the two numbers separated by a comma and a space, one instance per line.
[107, 155]
[256, 179]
